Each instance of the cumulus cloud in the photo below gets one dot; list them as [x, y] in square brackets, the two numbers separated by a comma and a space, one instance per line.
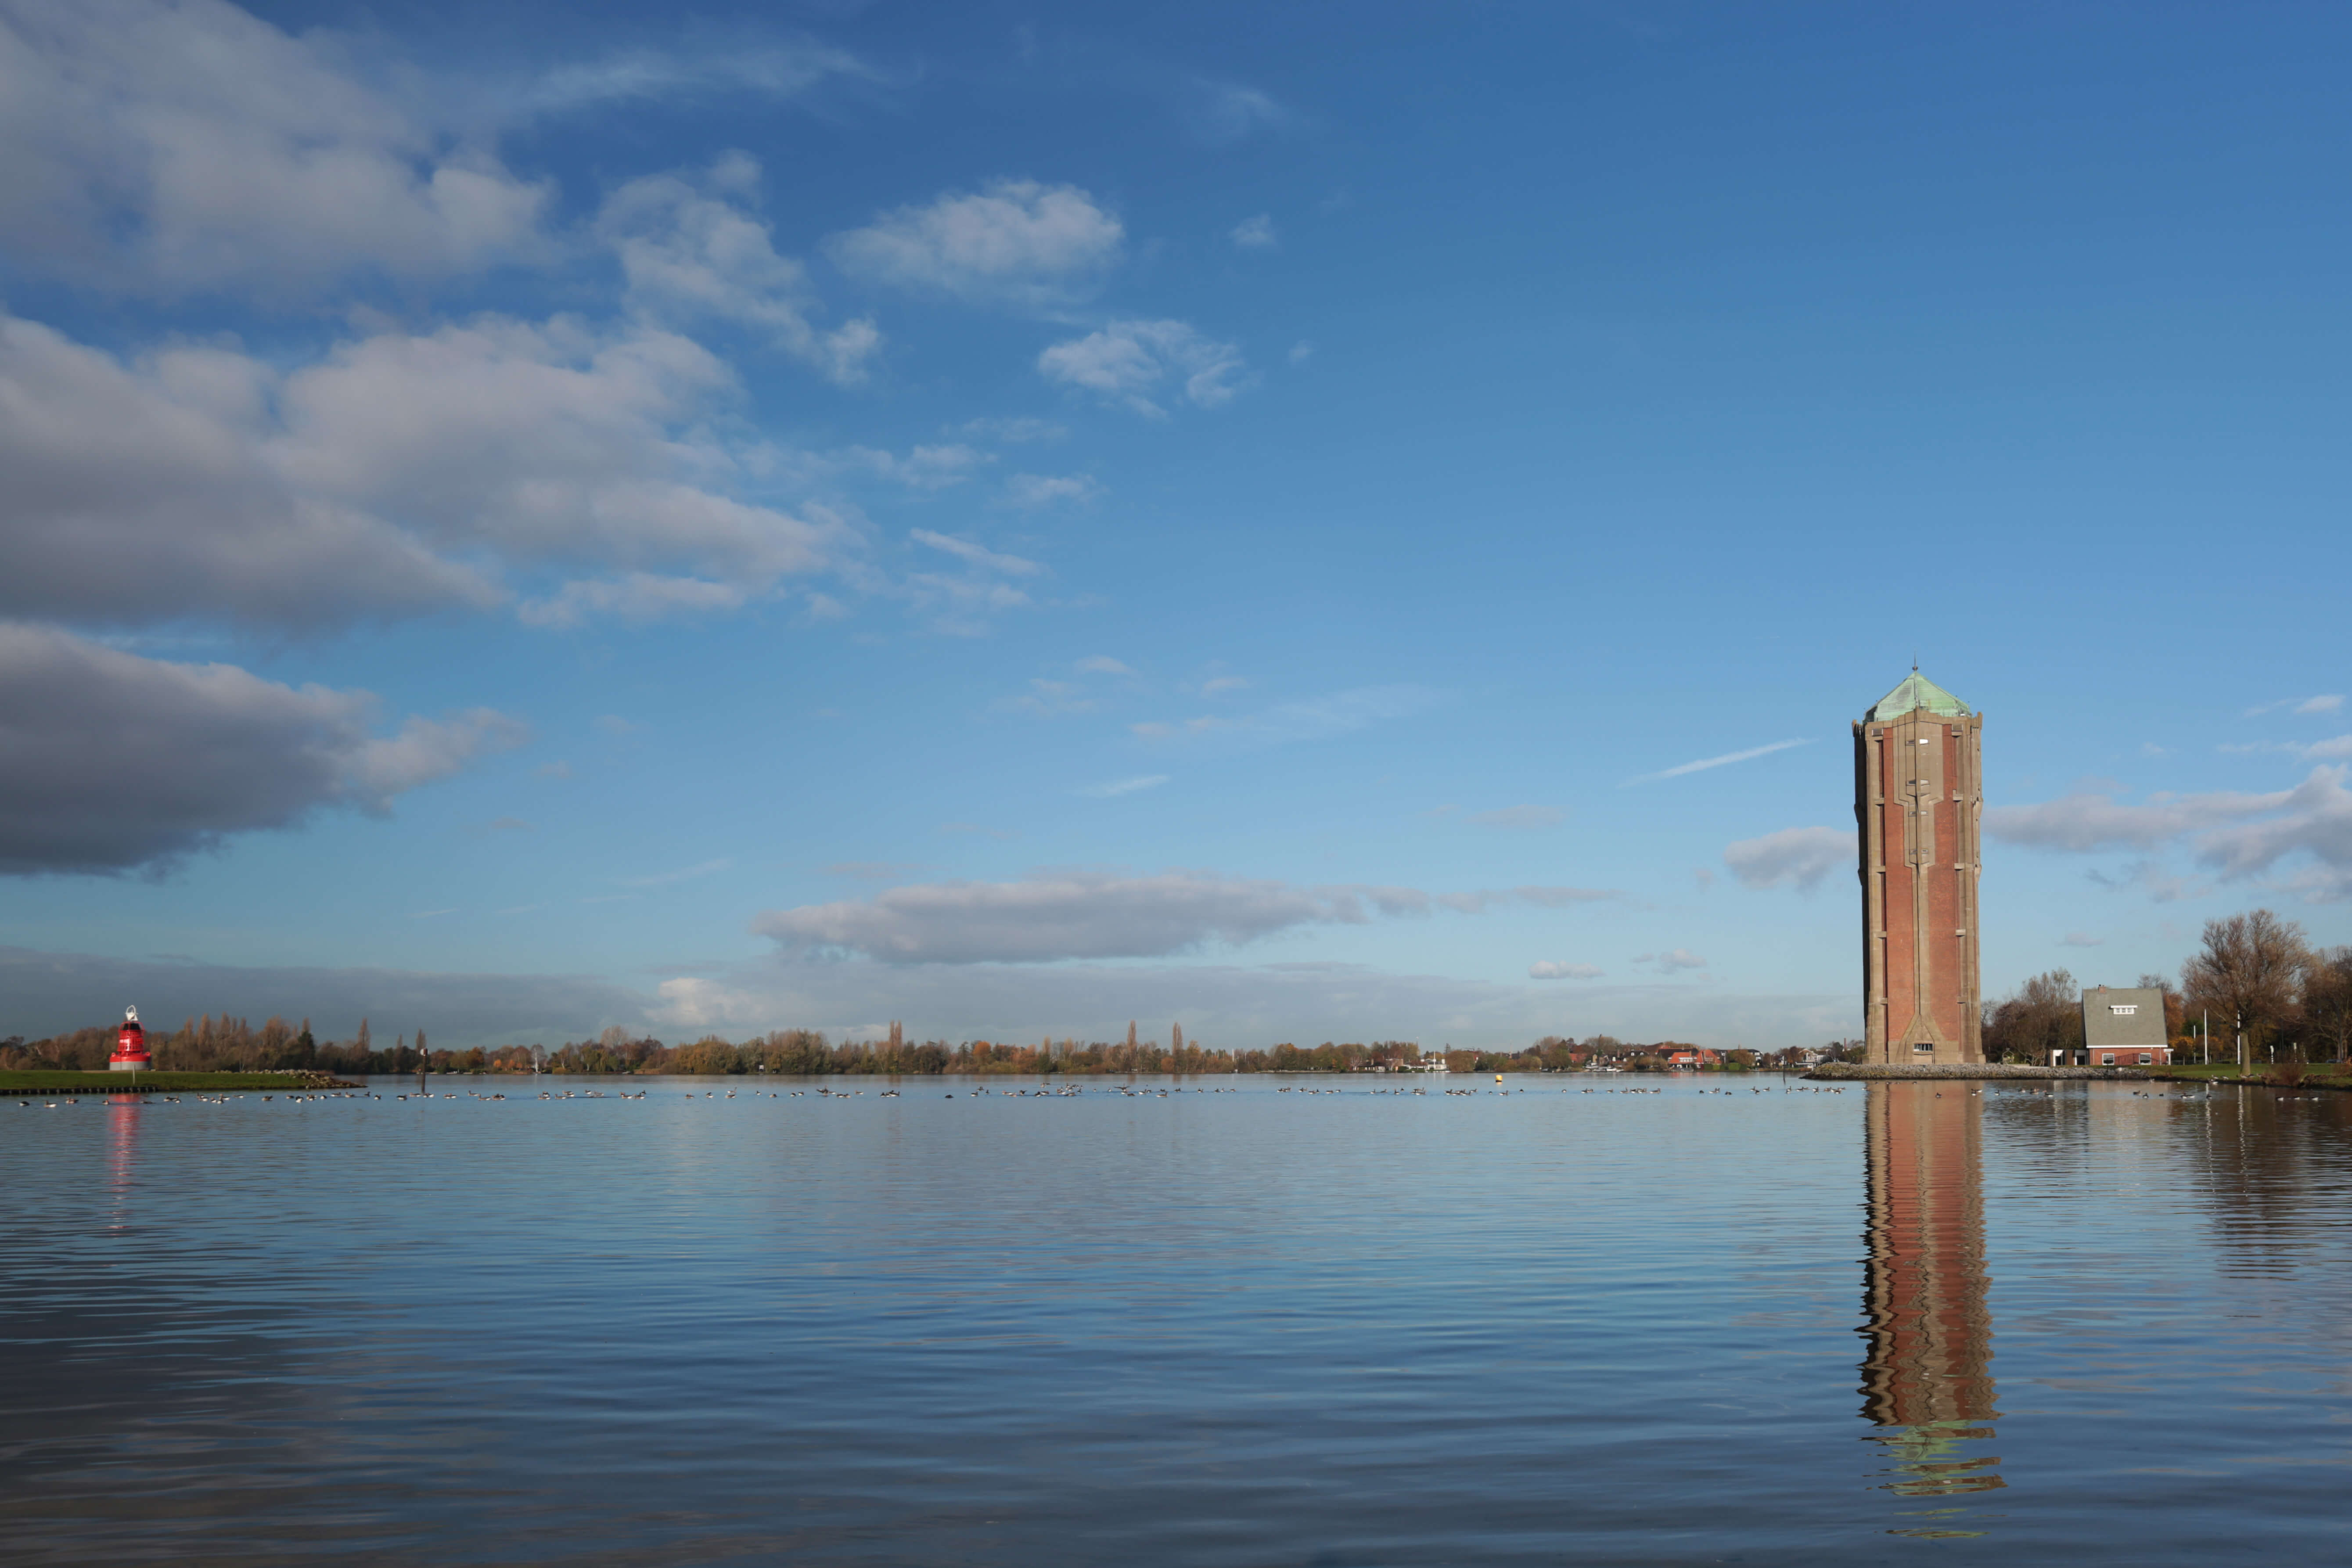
[2087, 821]
[1547, 969]
[191, 145]
[395, 475]
[1792, 857]
[113, 763]
[2304, 833]
[1521, 817]
[693, 251]
[1053, 916]
[1129, 362]
[1031, 490]
[151, 490]
[2312, 822]
[1680, 958]
[1015, 241]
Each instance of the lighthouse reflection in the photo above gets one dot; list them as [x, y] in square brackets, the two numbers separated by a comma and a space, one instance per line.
[121, 1156]
[1927, 1380]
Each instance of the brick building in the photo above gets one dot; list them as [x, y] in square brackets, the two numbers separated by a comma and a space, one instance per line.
[1917, 796]
[2122, 1027]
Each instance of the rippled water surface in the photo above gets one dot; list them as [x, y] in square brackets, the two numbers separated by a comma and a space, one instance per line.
[1259, 1321]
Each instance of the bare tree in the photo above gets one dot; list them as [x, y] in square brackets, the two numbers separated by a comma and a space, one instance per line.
[2327, 1014]
[2042, 1015]
[2248, 973]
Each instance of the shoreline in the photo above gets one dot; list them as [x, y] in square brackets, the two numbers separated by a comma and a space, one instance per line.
[44, 1081]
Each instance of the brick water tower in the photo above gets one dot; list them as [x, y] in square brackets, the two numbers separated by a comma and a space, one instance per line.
[1918, 794]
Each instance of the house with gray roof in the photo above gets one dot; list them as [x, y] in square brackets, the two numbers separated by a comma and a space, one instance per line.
[2122, 1027]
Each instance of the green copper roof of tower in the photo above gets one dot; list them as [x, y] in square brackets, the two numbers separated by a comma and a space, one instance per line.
[1917, 691]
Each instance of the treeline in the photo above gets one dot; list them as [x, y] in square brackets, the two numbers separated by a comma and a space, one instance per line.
[2254, 974]
[230, 1044]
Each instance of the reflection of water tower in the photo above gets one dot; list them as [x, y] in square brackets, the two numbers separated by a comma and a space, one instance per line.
[1927, 1381]
[131, 1045]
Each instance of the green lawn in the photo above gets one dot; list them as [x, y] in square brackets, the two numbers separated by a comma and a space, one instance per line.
[44, 1082]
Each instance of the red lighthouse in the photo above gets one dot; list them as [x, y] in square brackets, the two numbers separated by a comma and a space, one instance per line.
[131, 1045]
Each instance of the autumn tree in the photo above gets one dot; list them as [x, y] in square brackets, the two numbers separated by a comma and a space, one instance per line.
[2247, 972]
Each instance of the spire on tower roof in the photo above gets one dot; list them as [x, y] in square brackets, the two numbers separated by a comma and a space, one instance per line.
[1917, 691]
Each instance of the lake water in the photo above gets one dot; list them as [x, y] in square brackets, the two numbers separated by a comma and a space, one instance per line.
[1337, 1325]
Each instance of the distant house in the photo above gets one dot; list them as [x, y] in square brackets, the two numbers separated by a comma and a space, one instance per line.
[2122, 1027]
[1692, 1057]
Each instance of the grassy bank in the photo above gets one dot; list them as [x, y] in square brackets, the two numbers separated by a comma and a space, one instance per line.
[43, 1082]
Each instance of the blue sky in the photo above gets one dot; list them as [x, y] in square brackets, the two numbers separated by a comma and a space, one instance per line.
[1016, 519]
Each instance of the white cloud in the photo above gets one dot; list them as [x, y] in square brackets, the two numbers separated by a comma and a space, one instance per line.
[1049, 917]
[2334, 747]
[1052, 917]
[636, 596]
[766, 69]
[2327, 702]
[399, 473]
[2080, 939]
[2313, 820]
[2086, 821]
[1123, 786]
[1547, 969]
[116, 762]
[191, 145]
[693, 252]
[151, 490]
[1680, 958]
[1225, 112]
[1015, 240]
[977, 555]
[1102, 663]
[1029, 491]
[2239, 836]
[1521, 817]
[1311, 719]
[1254, 234]
[1126, 362]
[1727, 758]
[1792, 857]
[1301, 352]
